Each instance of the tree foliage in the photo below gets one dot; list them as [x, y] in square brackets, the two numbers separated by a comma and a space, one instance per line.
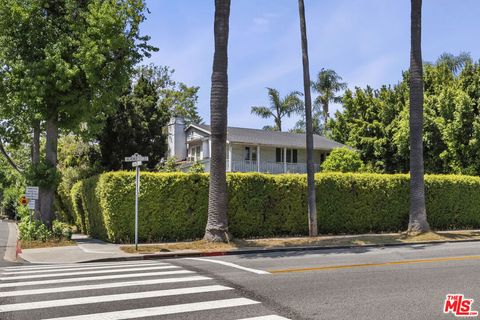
[141, 115]
[343, 160]
[375, 121]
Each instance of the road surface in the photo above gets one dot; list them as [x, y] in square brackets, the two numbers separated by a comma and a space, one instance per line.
[390, 283]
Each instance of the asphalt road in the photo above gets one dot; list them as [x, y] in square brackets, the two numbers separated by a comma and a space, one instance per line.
[390, 283]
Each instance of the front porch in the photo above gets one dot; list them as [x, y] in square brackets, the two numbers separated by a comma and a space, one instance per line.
[269, 167]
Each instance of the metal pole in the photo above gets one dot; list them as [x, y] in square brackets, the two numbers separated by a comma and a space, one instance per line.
[30, 216]
[137, 191]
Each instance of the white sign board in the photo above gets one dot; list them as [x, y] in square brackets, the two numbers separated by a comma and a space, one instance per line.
[136, 163]
[31, 204]
[136, 157]
[32, 193]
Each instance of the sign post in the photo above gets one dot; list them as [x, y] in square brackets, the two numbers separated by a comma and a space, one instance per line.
[31, 193]
[136, 161]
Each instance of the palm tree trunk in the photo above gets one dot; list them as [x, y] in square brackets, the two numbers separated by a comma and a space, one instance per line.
[217, 224]
[36, 159]
[48, 194]
[312, 206]
[418, 215]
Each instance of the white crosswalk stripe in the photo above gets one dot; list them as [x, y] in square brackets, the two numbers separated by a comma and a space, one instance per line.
[69, 269]
[56, 275]
[125, 290]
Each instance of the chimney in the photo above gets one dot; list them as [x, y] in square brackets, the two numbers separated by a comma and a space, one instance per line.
[177, 139]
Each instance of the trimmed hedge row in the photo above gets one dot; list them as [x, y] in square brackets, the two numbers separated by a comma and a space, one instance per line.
[173, 206]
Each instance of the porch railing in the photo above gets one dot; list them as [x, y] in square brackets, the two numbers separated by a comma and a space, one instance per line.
[270, 167]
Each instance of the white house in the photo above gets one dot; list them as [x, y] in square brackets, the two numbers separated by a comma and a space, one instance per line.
[248, 150]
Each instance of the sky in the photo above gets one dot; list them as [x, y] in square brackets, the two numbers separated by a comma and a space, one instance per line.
[367, 42]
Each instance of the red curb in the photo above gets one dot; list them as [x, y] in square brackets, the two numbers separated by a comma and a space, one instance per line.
[19, 249]
[213, 254]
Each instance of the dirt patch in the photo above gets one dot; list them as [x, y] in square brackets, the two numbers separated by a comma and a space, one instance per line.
[47, 244]
[324, 241]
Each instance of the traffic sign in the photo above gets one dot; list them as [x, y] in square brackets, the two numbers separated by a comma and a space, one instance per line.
[31, 204]
[23, 200]
[32, 193]
[136, 157]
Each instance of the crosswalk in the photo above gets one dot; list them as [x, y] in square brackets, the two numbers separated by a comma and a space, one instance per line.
[120, 290]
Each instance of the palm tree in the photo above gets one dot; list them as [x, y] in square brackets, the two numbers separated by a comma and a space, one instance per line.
[418, 214]
[454, 63]
[312, 206]
[279, 108]
[327, 85]
[217, 224]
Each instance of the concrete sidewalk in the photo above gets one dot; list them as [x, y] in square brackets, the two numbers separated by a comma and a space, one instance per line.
[87, 249]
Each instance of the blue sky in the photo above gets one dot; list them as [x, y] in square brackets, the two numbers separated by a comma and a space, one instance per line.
[365, 41]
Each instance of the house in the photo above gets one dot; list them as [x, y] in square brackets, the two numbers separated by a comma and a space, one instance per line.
[248, 150]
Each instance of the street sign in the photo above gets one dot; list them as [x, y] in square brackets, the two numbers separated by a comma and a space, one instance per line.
[136, 157]
[32, 193]
[23, 200]
[31, 204]
[136, 160]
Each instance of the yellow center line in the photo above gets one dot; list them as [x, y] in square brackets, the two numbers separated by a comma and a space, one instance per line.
[381, 264]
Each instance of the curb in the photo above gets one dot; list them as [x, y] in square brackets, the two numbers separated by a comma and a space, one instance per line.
[19, 249]
[174, 255]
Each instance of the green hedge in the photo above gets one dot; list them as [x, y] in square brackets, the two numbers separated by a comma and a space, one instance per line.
[173, 206]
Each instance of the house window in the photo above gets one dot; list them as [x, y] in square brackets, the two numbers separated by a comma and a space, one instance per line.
[195, 153]
[292, 155]
[247, 153]
[250, 154]
[279, 154]
[322, 157]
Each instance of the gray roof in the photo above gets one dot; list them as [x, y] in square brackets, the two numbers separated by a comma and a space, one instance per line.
[273, 138]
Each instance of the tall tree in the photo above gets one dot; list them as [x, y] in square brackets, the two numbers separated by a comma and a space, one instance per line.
[142, 113]
[328, 84]
[217, 224]
[279, 108]
[312, 206]
[418, 214]
[68, 61]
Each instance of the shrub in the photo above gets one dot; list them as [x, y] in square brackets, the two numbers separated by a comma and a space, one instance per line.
[173, 206]
[33, 231]
[343, 160]
[196, 167]
[62, 230]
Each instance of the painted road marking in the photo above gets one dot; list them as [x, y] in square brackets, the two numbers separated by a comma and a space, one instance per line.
[272, 317]
[73, 265]
[233, 265]
[381, 264]
[82, 268]
[101, 286]
[109, 298]
[164, 310]
[79, 273]
[95, 278]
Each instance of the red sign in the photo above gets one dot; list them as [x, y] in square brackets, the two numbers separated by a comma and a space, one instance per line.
[459, 306]
[23, 201]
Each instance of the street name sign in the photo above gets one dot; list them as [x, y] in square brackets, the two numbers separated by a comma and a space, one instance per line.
[136, 160]
[136, 157]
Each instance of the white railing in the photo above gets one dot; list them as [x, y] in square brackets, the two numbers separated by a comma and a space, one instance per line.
[270, 167]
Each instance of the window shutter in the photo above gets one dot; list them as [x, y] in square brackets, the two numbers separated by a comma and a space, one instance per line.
[279, 155]
[295, 158]
[289, 155]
